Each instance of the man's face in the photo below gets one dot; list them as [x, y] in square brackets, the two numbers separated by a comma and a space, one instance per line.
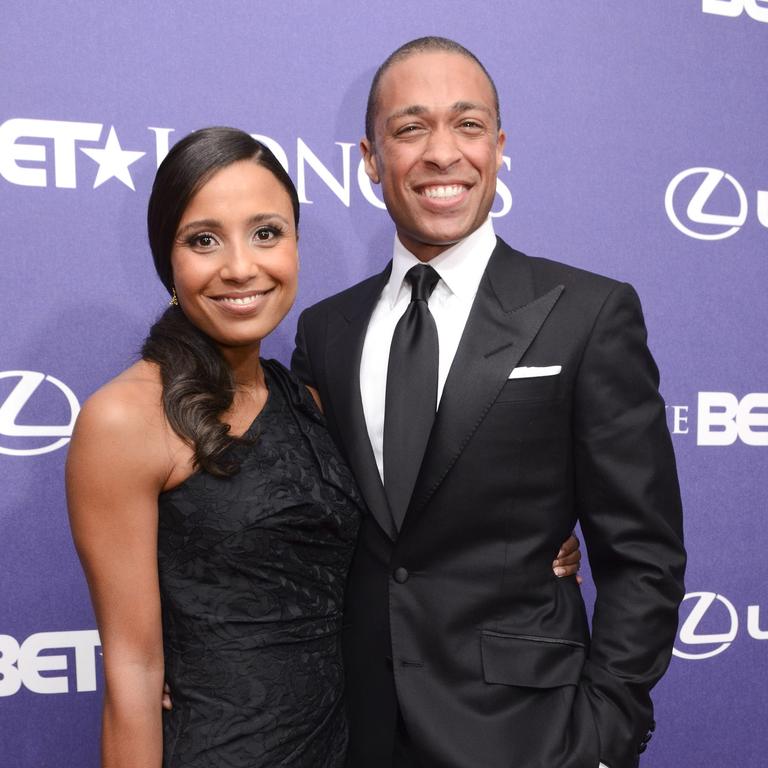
[436, 149]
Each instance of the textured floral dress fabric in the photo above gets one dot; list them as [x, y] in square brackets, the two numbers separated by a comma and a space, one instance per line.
[252, 575]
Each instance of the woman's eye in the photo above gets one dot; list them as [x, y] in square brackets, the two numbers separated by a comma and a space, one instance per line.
[203, 240]
[265, 234]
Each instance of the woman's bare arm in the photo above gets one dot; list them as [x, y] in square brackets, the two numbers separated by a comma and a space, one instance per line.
[117, 463]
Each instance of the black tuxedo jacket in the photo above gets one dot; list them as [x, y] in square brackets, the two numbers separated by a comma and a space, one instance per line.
[457, 619]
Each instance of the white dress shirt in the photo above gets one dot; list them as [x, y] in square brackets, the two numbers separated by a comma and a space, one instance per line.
[460, 268]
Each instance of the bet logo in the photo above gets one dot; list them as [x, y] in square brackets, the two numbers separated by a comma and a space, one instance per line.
[756, 9]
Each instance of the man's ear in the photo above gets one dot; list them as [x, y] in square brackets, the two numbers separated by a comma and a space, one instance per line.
[369, 159]
[500, 141]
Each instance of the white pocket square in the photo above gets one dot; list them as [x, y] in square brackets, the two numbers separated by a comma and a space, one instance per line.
[532, 371]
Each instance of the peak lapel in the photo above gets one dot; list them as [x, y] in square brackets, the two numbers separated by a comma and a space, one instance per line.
[344, 348]
[505, 318]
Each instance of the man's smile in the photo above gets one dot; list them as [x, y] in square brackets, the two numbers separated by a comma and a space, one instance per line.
[443, 192]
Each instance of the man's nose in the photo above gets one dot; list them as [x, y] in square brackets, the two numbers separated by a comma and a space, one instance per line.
[442, 149]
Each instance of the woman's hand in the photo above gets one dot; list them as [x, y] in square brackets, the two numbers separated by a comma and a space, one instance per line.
[568, 560]
[167, 701]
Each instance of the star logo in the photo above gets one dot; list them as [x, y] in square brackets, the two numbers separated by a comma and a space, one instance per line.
[113, 161]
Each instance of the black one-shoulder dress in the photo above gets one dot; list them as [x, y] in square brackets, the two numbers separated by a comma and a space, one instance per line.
[252, 575]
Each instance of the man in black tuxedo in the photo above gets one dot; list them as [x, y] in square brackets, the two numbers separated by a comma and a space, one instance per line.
[462, 648]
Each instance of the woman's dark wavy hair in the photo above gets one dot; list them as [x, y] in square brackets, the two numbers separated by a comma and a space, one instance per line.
[198, 385]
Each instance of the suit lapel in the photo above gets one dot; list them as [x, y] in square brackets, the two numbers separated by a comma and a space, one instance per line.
[504, 320]
[346, 334]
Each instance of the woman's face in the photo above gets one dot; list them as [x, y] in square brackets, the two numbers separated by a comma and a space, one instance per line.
[235, 256]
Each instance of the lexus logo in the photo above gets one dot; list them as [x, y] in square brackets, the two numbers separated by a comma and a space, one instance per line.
[31, 389]
[713, 611]
[708, 226]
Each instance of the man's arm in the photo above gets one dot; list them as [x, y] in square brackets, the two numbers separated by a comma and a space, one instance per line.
[631, 516]
[300, 360]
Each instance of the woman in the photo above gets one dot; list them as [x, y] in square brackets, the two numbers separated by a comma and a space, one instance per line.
[214, 518]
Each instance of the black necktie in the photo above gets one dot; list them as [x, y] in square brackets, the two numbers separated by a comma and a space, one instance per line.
[411, 398]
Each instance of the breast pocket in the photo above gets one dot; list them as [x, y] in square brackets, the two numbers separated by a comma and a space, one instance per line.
[530, 390]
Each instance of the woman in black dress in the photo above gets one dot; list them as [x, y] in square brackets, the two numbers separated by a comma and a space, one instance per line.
[211, 511]
[213, 515]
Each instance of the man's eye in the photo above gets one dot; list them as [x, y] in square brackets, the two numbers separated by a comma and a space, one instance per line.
[408, 129]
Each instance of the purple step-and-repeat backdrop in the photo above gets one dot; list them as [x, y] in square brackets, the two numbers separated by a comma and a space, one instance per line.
[637, 134]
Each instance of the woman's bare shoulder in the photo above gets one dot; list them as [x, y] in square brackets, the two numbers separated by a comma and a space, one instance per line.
[132, 401]
[122, 427]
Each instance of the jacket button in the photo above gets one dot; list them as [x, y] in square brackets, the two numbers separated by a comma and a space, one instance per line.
[400, 575]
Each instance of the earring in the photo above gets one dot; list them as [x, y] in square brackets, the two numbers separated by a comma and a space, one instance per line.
[174, 302]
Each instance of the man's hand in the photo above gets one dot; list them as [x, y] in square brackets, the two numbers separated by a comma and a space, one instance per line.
[568, 560]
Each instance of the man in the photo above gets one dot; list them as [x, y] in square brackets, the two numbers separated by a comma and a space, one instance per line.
[462, 649]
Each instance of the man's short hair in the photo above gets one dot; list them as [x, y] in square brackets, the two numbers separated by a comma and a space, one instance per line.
[421, 45]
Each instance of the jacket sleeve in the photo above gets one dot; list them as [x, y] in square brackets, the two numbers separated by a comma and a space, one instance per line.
[629, 505]
[301, 363]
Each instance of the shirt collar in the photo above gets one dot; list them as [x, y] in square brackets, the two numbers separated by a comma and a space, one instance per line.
[460, 267]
